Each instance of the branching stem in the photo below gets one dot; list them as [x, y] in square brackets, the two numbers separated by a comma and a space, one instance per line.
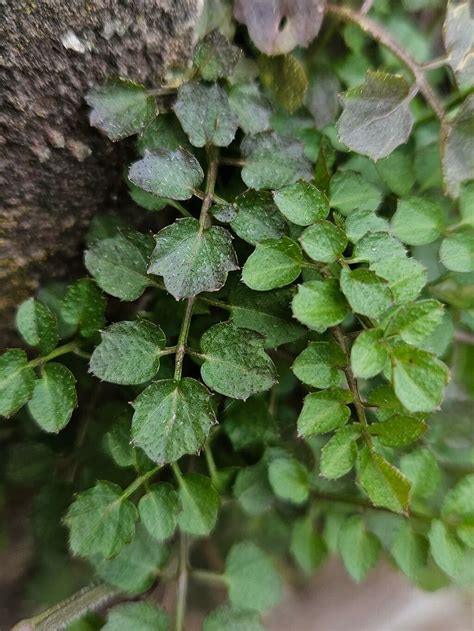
[70, 347]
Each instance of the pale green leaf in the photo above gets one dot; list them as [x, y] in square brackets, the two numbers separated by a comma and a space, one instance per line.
[406, 276]
[366, 292]
[139, 616]
[318, 365]
[410, 551]
[360, 550]
[199, 504]
[174, 174]
[466, 203]
[418, 377]
[324, 412]
[129, 352]
[385, 485]
[415, 321]
[100, 521]
[158, 510]
[397, 171]
[164, 132]
[289, 479]
[360, 222]
[119, 264]
[457, 250]
[54, 397]
[172, 418]
[191, 259]
[307, 546]
[422, 469]
[257, 217]
[205, 114]
[120, 108]
[302, 203]
[252, 109]
[37, 325]
[417, 220]
[319, 304]
[350, 191]
[235, 363]
[83, 307]
[446, 549]
[215, 56]
[339, 454]
[17, 381]
[376, 246]
[252, 580]
[232, 619]
[398, 431]
[323, 241]
[274, 263]
[368, 354]
[458, 505]
[252, 490]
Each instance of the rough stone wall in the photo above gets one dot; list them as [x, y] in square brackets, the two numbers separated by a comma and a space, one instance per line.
[55, 171]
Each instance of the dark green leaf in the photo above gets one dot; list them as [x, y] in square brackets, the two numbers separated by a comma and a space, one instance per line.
[164, 132]
[323, 242]
[252, 109]
[191, 259]
[398, 431]
[232, 619]
[158, 510]
[457, 149]
[285, 78]
[235, 363]
[257, 217]
[83, 306]
[289, 479]
[215, 56]
[119, 264]
[139, 616]
[274, 263]
[172, 418]
[457, 250]
[302, 203]
[54, 397]
[199, 504]
[249, 423]
[318, 365]
[17, 381]
[339, 454]
[368, 354]
[252, 489]
[385, 485]
[37, 325]
[459, 41]
[349, 192]
[120, 108]
[319, 304]
[324, 412]
[397, 171]
[307, 546]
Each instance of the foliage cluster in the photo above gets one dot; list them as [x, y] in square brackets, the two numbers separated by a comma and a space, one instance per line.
[262, 381]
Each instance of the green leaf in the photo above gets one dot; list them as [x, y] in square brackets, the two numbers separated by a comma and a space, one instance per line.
[17, 381]
[140, 616]
[376, 115]
[397, 171]
[349, 192]
[339, 454]
[323, 242]
[147, 200]
[368, 354]
[385, 485]
[284, 77]
[417, 221]
[324, 412]
[376, 246]
[252, 580]
[457, 250]
[459, 41]
[360, 550]
[164, 132]
[457, 148]
[307, 547]
[199, 504]
[406, 276]
[100, 521]
[458, 507]
[418, 378]
[257, 217]
[422, 469]
[37, 325]
[158, 510]
[410, 551]
[129, 352]
[302, 203]
[319, 304]
[252, 109]
[322, 98]
[173, 174]
[205, 114]
[191, 259]
[415, 321]
[232, 619]
[54, 397]
[318, 365]
[135, 568]
[446, 549]
[289, 479]
[360, 222]
[267, 313]
[83, 307]
[120, 108]
[273, 161]
[235, 363]
[252, 489]
[274, 263]
[172, 418]
[119, 264]
[398, 431]
[366, 292]
[117, 440]
[215, 56]
[466, 203]
[249, 423]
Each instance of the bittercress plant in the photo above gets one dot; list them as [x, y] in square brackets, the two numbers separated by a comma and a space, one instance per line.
[276, 359]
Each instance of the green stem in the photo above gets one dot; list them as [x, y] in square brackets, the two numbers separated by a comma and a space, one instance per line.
[138, 482]
[169, 350]
[183, 338]
[70, 347]
[61, 615]
[182, 587]
[209, 577]
[214, 302]
[211, 465]
[180, 208]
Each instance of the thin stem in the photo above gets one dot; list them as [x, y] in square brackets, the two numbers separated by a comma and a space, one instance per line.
[61, 615]
[366, 6]
[183, 338]
[182, 587]
[214, 302]
[169, 350]
[377, 32]
[234, 162]
[180, 208]
[70, 347]
[136, 484]
[205, 576]
[211, 465]
[435, 63]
